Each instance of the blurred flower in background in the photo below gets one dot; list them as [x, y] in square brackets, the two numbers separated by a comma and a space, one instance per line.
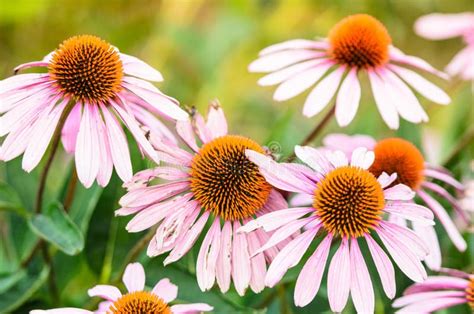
[438, 26]
[136, 300]
[358, 43]
[89, 87]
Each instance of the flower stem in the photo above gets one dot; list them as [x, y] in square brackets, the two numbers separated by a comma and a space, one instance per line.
[317, 129]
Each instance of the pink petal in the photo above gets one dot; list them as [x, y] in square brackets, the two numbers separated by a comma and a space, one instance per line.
[322, 94]
[462, 64]
[22, 80]
[240, 261]
[442, 26]
[62, 310]
[384, 104]
[257, 264]
[289, 256]
[438, 283]
[192, 308]
[362, 291]
[276, 219]
[384, 267]
[223, 270]
[281, 59]
[106, 163]
[399, 192]
[362, 158]
[134, 277]
[71, 128]
[301, 81]
[136, 67]
[425, 297]
[339, 277]
[309, 279]
[313, 158]
[422, 86]
[216, 121]
[207, 257]
[385, 179]
[118, 145]
[428, 235]
[286, 73]
[87, 160]
[295, 44]
[186, 132]
[431, 306]
[107, 292]
[166, 290]
[30, 65]
[411, 211]
[407, 237]
[398, 56]
[444, 177]
[446, 221]
[148, 195]
[348, 99]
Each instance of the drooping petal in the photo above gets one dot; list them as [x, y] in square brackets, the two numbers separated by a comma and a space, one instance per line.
[384, 104]
[286, 73]
[207, 257]
[223, 270]
[257, 264]
[428, 235]
[384, 267]
[71, 128]
[339, 277]
[240, 260]
[348, 98]
[362, 291]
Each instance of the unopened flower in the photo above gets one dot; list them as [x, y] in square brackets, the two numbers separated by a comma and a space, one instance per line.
[349, 204]
[214, 183]
[358, 43]
[439, 26]
[94, 88]
[396, 155]
[137, 299]
[437, 293]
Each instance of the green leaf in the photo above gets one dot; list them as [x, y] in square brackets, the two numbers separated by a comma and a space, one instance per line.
[6, 281]
[85, 201]
[22, 290]
[55, 226]
[9, 200]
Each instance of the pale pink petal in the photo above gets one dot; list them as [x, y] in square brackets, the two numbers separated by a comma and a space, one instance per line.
[384, 267]
[339, 277]
[322, 94]
[438, 283]
[223, 270]
[406, 260]
[301, 81]
[106, 163]
[362, 291]
[446, 221]
[384, 104]
[106, 292]
[30, 65]
[448, 197]
[289, 256]
[42, 133]
[301, 200]
[399, 192]
[462, 63]
[362, 158]
[442, 26]
[22, 80]
[347, 143]
[118, 146]
[431, 305]
[422, 85]
[426, 297]
[295, 44]
[149, 195]
[337, 159]
[216, 121]
[152, 124]
[207, 257]
[62, 310]
[240, 260]
[385, 179]
[134, 277]
[86, 157]
[166, 290]
[286, 73]
[411, 211]
[276, 219]
[313, 158]
[278, 60]
[136, 67]
[428, 235]
[444, 177]
[277, 175]
[348, 98]
[398, 56]
[201, 128]
[309, 279]
[71, 128]
[257, 264]
[191, 308]
[407, 237]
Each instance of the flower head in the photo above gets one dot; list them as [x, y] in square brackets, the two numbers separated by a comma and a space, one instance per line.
[437, 293]
[136, 300]
[396, 155]
[90, 88]
[349, 204]
[358, 43]
[216, 182]
[439, 26]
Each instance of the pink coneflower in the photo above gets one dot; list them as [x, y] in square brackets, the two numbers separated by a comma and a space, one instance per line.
[396, 155]
[438, 26]
[349, 203]
[136, 300]
[437, 293]
[96, 86]
[358, 43]
[215, 182]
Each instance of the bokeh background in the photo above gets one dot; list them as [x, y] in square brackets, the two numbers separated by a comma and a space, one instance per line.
[203, 49]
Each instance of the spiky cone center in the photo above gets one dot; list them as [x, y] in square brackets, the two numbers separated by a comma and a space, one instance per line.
[139, 302]
[396, 155]
[470, 292]
[349, 201]
[359, 41]
[225, 182]
[87, 68]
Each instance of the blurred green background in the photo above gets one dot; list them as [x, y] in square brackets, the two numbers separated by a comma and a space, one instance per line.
[203, 49]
